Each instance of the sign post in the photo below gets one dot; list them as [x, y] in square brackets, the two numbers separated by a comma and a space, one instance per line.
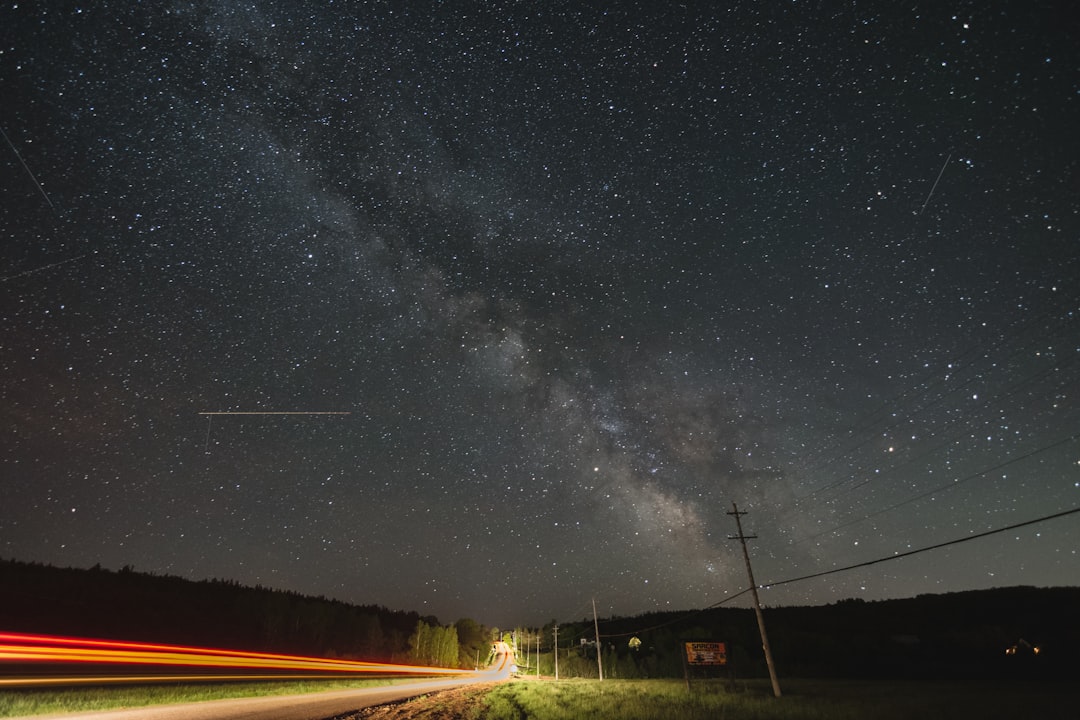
[712, 654]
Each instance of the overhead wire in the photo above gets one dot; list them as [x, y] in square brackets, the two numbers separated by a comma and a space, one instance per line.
[950, 440]
[833, 571]
[868, 424]
[897, 556]
[1009, 391]
[942, 488]
[1013, 388]
[676, 620]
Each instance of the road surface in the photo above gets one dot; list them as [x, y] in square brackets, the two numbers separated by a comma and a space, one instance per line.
[313, 706]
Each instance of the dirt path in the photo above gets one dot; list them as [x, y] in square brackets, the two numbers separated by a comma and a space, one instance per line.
[456, 704]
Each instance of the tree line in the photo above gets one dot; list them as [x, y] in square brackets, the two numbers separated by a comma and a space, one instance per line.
[966, 634]
[127, 605]
[973, 635]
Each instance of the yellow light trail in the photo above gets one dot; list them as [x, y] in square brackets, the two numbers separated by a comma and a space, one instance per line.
[26, 682]
[20, 648]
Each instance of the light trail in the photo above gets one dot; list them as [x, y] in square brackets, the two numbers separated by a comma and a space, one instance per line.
[64, 681]
[277, 412]
[33, 650]
[28, 170]
[210, 417]
[43, 268]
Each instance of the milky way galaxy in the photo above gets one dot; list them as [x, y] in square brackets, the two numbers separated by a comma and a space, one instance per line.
[581, 277]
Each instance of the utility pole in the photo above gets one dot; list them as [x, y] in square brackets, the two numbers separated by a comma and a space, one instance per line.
[757, 604]
[538, 634]
[556, 652]
[596, 627]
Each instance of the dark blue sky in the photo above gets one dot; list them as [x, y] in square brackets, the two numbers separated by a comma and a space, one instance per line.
[583, 277]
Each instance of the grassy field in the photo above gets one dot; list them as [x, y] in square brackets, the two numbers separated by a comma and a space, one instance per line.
[529, 699]
[753, 700]
[14, 703]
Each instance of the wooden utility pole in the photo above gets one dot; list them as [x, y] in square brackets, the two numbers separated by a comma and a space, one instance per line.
[757, 604]
[556, 652]
[596, 627]
[538, 634]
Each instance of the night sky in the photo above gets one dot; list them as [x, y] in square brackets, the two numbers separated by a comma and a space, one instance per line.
[583, 277]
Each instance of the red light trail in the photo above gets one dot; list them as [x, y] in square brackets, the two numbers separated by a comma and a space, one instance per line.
[26, 649]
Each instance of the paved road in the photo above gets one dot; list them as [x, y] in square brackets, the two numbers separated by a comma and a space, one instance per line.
[314, 706]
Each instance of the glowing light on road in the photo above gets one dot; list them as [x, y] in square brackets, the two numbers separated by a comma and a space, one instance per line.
[45, 649]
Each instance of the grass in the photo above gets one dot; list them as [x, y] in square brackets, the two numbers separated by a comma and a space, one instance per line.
[753, 700]
[41, 701]
[636, 699]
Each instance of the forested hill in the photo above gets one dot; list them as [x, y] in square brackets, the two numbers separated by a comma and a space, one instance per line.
[975, 634]
[954, 635]
[216, 613]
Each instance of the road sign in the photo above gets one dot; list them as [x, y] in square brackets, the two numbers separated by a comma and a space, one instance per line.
[706, 653]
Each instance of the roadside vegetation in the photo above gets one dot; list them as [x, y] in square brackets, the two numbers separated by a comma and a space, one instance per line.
[547, 699]
[19, 702]
[753, 700]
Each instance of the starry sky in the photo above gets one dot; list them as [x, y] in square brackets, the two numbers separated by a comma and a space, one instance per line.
[582, 275]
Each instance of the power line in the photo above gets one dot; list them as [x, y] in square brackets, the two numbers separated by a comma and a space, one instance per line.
[949, 440]
[985, 404]
[925, 549]
[677, 620]
[869, 423]
[1062, 373]
[867, 563]
[943, 488]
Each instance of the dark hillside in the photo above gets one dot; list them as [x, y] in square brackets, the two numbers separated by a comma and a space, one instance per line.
[957, 635]
[962, 635]
[965, 635]
[131, 605]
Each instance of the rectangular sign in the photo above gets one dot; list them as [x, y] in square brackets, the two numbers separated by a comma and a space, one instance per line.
[706, 653]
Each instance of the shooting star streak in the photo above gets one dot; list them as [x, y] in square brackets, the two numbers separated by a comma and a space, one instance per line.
[41, 269]
[210, 417]
[289, 412]
[934, 186]
[27, 169]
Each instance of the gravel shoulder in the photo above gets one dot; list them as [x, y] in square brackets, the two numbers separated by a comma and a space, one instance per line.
[455, 704]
